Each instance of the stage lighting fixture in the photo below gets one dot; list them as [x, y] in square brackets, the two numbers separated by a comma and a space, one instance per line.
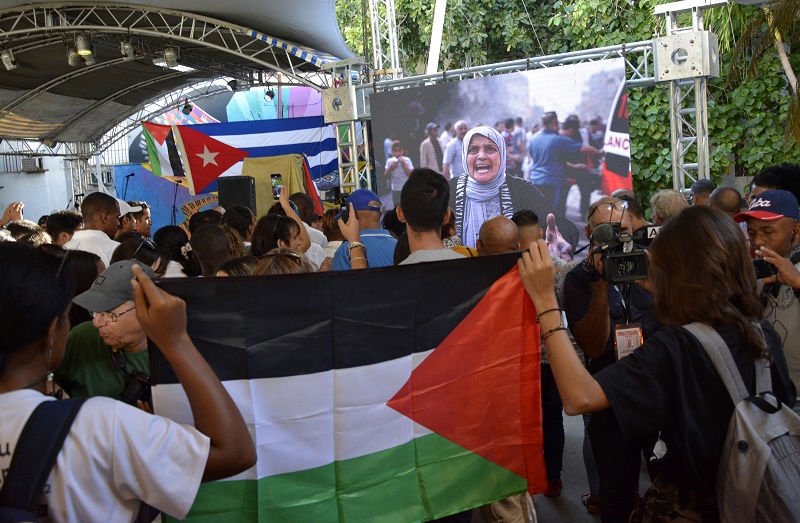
[49, 142]
[187, 108]
[127, 50]
[233, 85]
[269, 95]
[84, 44]
[8, 59]
[171, 56]
[73, 58]
[89, 59]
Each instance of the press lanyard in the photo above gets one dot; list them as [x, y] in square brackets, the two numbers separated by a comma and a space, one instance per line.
[625, 301]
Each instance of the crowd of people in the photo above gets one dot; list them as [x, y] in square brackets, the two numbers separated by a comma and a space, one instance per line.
[552, 156]
[79, 306]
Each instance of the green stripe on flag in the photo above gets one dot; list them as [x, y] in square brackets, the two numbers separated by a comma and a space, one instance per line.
[386, 486]
[152, 152]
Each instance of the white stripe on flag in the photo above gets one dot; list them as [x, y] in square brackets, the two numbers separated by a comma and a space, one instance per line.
[307, 421]
[244, 141]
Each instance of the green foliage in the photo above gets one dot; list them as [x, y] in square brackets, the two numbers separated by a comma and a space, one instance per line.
[474, 33]
[746, 121]
[746, 115]
[350, 16]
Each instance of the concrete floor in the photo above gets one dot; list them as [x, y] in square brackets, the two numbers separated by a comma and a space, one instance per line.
[567, 507]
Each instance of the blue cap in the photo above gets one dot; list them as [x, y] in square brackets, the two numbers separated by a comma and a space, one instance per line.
[771, 205]
[361, 200]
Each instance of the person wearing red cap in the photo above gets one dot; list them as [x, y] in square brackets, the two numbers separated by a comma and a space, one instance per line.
[774, 231]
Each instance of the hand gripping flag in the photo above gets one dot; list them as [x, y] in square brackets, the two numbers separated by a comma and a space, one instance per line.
[204, 158]
[395, 395]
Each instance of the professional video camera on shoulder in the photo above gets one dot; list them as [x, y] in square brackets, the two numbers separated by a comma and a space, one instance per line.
[619, 265]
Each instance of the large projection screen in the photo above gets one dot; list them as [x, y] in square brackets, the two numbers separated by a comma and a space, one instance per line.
[593, 91]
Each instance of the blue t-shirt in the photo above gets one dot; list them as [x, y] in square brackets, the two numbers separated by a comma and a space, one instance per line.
[380, 246]
[549, 154]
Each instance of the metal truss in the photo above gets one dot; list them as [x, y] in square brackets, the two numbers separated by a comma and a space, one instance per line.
[385, 51]
[353, 155]
[638, 58]
[158, 107]
[688, 101]
[162, 25]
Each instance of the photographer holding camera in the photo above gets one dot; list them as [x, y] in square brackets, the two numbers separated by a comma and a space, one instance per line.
[108, 356]
[774, 231]
[609, 314]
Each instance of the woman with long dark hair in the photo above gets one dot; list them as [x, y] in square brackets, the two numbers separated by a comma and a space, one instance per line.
[700, 271]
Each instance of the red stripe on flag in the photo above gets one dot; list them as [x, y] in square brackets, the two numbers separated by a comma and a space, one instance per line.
[311, 188]
[480, 388]
[157, 131]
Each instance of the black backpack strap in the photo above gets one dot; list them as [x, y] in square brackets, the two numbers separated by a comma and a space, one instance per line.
[36, 451]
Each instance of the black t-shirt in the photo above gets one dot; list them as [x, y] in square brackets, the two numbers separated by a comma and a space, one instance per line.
[670, 385]
[577, 295]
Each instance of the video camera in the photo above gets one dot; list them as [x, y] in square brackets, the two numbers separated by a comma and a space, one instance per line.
[619, 266]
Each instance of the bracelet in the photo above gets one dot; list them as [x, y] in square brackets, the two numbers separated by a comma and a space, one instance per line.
[354, 245]
[552, 331]
[545, 312]
[358, 258]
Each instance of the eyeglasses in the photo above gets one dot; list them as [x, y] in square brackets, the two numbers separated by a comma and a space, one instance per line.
[611, 207]
[57, 252]
[147, 242]
[110, 317]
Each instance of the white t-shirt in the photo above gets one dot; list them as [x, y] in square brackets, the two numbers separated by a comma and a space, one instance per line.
[316, 236]
[113, 456]
[399, 176]
[93, 241]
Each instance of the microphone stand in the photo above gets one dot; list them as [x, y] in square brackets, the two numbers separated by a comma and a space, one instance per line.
[125, 189]
[175, 204]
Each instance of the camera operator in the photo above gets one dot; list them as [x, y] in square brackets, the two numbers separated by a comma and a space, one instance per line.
[772, 224]
[108, 356]
[601, 314]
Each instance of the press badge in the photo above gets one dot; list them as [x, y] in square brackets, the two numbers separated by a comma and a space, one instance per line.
[627, 338]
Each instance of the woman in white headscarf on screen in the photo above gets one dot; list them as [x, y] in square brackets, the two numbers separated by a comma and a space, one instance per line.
[484, 191]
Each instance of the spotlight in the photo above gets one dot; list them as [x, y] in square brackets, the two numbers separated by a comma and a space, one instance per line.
[269, 95]
[89, 59]
[7, 56]
[171, 56]
[73, 58]
[187, 108]
[49, 142]
[127, 50]
[233, 85]
[84, 44]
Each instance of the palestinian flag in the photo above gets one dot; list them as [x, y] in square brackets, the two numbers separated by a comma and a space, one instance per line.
[205, 158]
[398, 394]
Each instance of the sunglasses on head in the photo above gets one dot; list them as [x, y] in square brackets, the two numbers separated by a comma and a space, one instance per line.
[147, 243]
[291, 255]
[55, 251]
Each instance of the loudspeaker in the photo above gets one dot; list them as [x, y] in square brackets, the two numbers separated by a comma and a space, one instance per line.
[237, 190]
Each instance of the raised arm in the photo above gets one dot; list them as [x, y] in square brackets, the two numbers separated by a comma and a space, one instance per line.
[579, 391]
[163, 318]
[351, 233]
[305, 239]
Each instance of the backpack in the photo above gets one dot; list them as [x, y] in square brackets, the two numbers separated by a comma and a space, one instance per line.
[34, 456]
[758, 478]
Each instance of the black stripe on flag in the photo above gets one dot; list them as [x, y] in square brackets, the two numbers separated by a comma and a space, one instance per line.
[266, 327]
